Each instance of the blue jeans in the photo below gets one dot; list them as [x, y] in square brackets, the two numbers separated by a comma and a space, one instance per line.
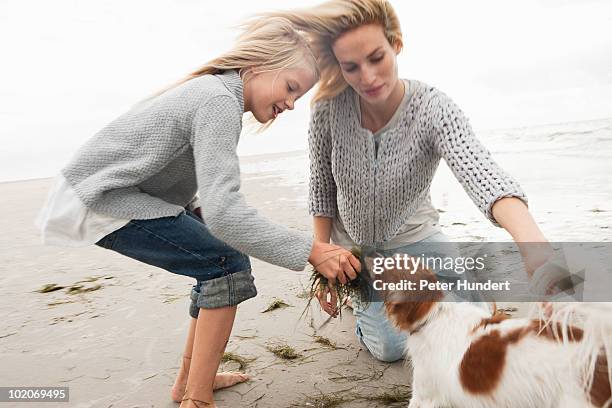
[183, 245]
[373, 329]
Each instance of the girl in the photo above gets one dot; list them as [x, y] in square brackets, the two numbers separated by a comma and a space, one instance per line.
[375, 143]
[127, 188]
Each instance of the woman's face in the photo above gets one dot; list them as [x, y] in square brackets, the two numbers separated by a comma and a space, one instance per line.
[368, 62]
[268, 94]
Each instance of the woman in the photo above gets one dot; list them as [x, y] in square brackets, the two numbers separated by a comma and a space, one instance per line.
[127, 188]
[375, 143]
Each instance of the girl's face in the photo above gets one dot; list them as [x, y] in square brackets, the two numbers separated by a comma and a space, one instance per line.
[268, 94]
[368, 62]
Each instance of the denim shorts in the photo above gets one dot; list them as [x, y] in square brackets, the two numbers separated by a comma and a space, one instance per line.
[183, 245]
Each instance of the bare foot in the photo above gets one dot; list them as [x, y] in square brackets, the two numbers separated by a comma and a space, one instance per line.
[178, 389]
[222, 380]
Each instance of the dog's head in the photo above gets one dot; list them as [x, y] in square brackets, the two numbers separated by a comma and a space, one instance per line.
[408, 308]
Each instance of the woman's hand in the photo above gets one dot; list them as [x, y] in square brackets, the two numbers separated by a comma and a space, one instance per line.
[535, 254]
[334, 262]
[329, 306]
[513, 215]
[543, 273]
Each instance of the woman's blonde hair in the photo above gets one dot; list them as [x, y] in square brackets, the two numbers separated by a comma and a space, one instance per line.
[327, 21]
[265, 44]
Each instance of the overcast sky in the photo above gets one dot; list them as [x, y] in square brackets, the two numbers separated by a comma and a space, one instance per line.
[70, 67]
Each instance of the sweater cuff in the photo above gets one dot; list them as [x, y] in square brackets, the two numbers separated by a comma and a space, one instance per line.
[300, 259]
[322, 209]
[327, 214]
[489, 208]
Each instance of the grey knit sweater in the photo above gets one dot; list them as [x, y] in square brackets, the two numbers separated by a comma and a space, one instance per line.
[151, 161]
[373, 193]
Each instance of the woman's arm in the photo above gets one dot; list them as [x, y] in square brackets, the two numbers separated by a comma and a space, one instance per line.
[322, 192]
[321, 228]
[322, 186]
[512, 214]
[328, 297]
[472, 164]
[494, 191]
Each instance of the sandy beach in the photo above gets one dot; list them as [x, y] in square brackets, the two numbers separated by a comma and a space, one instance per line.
[114, 334]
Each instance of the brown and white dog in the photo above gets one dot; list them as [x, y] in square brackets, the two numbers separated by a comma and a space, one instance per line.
[465, 357]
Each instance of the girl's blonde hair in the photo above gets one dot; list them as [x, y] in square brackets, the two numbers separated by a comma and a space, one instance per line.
[265, 44]
[327, 21]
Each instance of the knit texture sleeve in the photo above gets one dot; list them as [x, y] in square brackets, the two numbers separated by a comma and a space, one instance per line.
[471, 163]
[322, 191]
[216, 130]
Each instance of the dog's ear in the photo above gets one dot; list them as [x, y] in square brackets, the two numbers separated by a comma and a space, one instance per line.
[394, 311]
[406, 315]
[408, 307]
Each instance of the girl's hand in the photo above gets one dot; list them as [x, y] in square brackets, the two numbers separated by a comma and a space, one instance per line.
[334, 262]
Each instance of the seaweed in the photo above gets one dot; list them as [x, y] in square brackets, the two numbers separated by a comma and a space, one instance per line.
[325, 342]
[304, 294]
[358, 288]
[243, 362]
[326, 401]
[74, 289]
[341, 397]
[391, 397]
[50, 287]
[276, 304]
[284, 351]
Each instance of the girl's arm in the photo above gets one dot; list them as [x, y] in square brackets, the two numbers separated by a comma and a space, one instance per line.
[217, 127]
[216, 130]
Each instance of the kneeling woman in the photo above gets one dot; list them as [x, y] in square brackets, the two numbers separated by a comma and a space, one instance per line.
[375, 143]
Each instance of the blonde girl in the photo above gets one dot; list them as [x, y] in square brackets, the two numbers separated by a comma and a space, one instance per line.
[132, 187]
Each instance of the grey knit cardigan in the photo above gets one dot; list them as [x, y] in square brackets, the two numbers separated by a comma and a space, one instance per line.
[151, 161]
[374, 193]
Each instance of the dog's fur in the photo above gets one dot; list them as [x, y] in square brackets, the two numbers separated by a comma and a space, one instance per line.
[465, 357]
